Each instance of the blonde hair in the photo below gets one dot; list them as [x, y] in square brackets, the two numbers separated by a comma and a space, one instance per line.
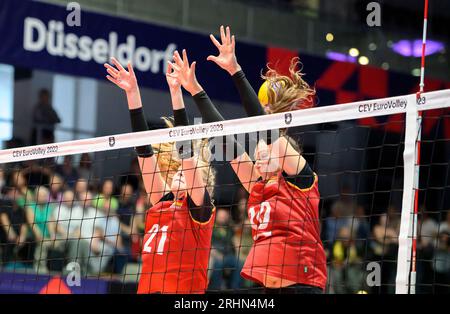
[286, 93]
[169, 162]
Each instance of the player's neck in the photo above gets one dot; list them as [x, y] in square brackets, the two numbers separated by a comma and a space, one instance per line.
[269, 175]
[179, 194]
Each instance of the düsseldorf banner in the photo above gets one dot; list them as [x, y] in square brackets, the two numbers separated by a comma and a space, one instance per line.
[36, 35]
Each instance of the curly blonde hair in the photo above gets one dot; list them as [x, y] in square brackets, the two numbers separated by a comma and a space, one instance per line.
[169, 161]
[286, 93]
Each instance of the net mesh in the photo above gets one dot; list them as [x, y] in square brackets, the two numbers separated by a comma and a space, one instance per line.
[433, 271]
[77, 219]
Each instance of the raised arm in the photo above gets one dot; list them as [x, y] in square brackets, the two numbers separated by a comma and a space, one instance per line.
[151, 175]
[227, 60]
[241, 162]
[291, 161]
[195, 182]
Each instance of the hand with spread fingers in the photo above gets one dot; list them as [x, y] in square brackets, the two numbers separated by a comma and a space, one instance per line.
[227, 58]
[121, 77]
[185, 73]
[126, 80]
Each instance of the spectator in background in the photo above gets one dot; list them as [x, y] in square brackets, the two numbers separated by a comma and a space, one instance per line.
[106, 242]
[20, 192]
[428, 229]
[125, 213]
[142, 204]
[81, 191]
[445, 225]
[441, 263]
[87, 229]
[42, 226]
[45, 119]
[339, 218]
[360, 231]
[56, 189]
[36, 174]
[16, 250]
[70, 216]
[385, 248]
[393, 217]
[132, 176]
[243, 238]
[226, 266]
[346, 269]
[68, 171]
[84, 168]
[105, 200]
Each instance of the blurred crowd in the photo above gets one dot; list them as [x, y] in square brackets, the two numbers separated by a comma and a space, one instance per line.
[53, 214]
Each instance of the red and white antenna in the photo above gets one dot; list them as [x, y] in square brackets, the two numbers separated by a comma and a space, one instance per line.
[420, 100]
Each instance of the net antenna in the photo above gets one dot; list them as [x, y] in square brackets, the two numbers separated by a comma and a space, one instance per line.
[407, 252]
[420, 100]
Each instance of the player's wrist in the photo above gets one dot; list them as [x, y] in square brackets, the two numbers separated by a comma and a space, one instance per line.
[132, 92]
[134, 99]
[195, 89]
[175, 91]
[234, 68]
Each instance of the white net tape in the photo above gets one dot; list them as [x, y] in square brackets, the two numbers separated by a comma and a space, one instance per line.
[335, 113]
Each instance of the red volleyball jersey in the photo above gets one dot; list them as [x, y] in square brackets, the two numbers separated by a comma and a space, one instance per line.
[175, 250]
[286, 233]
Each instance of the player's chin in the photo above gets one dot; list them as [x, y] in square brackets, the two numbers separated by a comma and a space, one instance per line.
[179, 188]
[262, 171]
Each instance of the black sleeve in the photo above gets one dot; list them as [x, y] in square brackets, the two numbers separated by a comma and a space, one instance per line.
[209, 114]
[184, 148]
[303, 180]
[181, 118]
[203, 212]
[249, 99]
[206, 107]
[138, 124]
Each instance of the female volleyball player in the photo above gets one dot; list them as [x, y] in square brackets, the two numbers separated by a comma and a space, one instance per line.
[178, 228]
[283, 206]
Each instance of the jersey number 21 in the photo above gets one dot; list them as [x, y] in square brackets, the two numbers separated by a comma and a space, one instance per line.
[152, 232]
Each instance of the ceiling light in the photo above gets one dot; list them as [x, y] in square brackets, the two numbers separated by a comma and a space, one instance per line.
[353, 52]
[329, 37]
[363, 60]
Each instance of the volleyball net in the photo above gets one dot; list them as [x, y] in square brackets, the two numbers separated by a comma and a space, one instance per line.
[76, 210]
